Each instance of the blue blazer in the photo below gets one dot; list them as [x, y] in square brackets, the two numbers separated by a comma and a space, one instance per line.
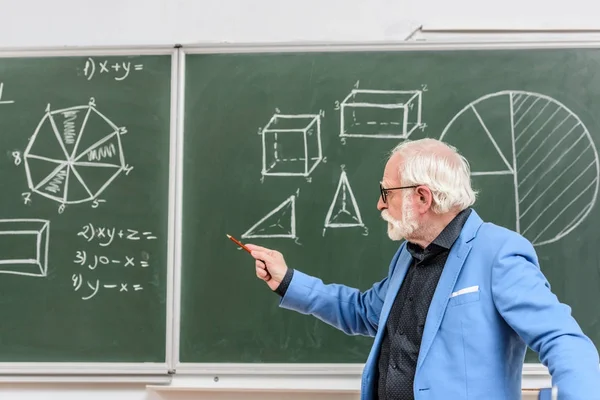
[491, 302]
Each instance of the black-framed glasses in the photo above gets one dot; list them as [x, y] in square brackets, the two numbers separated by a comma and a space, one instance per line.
[385, 190]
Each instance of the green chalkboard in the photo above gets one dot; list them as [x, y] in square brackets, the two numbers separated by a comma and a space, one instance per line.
[84, 208]
[274, 136]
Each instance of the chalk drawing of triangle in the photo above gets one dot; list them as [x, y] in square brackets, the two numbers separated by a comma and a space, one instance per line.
[278, 223]
[343, 211]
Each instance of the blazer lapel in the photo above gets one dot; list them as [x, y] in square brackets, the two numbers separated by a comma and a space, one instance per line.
[456, 259]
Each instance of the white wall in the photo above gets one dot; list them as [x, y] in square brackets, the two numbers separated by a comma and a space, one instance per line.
[60, 23]
[507, 14]
[116, 22]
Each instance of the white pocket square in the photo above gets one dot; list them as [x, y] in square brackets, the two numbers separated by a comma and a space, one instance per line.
[469, 289]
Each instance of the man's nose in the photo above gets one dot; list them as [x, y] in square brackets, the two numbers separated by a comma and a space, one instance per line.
[381, 205]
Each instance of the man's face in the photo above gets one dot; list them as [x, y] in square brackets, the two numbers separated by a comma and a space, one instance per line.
[398, 208]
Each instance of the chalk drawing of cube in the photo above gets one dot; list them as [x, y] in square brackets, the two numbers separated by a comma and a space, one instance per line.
[384, 114]
[291, 145]
[24, 246]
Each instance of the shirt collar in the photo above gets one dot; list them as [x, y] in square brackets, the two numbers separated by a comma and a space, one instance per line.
[450, 233]
[444, 240]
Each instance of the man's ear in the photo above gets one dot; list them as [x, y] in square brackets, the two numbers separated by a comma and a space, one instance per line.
[424, 199]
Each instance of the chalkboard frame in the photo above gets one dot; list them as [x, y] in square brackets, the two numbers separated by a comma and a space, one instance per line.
[159, 372]
[343, 376]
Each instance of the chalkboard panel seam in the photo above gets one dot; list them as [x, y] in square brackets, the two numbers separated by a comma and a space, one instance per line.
[174, 201]
[173, 347]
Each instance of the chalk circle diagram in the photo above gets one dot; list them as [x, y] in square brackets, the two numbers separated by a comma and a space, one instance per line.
[546, 149]
[74, 154]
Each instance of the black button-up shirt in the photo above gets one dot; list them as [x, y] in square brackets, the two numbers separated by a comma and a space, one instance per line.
[404, 329]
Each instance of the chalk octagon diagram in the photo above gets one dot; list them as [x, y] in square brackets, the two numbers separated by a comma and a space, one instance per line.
[73, 155]
[546, 149]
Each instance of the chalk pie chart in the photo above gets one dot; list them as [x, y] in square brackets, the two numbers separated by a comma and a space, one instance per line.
[543, 146]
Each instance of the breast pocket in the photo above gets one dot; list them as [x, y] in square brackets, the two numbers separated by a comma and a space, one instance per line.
[463, 298]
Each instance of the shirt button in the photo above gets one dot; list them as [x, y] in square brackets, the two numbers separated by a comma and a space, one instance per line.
[402, 332]
[410, 298]
[394, 366]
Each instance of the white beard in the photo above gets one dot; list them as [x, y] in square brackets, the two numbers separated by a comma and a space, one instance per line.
[399, 230]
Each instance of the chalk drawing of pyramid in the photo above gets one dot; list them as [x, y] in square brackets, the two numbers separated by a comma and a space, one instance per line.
[278, 223]
[343, 211]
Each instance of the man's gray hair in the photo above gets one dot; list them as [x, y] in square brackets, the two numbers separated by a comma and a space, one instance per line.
[441, 168]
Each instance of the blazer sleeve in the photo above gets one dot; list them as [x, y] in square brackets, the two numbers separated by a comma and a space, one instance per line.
[345, 308]
[523, 297]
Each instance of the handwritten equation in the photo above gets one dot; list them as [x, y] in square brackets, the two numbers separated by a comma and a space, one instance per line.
[105, 235]
[81, 258]
[100, 269]
[118, 70]
[94, 286]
